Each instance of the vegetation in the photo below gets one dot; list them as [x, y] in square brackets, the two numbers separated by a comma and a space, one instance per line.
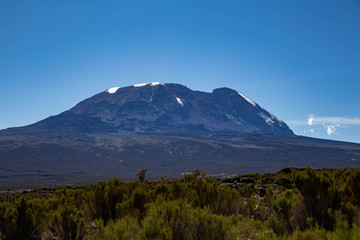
[291, 204]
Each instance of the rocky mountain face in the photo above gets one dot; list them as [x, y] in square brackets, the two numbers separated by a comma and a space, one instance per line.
[170, 109]
[165, 128]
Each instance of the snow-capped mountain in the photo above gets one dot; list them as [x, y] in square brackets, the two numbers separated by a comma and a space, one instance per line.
[166, 109]
[165, 128]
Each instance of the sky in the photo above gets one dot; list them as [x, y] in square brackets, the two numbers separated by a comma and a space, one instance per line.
[300, 60]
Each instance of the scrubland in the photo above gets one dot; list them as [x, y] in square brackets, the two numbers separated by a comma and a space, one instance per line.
[290, 204]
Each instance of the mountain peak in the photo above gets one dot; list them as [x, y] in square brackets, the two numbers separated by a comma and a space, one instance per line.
[144, 84]
[169, 108]
[223, 90]
[114, 89]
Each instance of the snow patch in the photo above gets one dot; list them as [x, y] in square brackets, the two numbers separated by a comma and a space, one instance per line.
[281, 122]
[248, 99]
[112, 90]
[267, 119]
[179, 101]
[234, 120]
[144, 84]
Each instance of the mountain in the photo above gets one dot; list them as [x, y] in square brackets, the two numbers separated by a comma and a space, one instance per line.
[165, 128]
[163, 109]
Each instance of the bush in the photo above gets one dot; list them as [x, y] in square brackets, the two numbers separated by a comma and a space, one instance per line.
[103, 197]
[67, 222]
[282, 206]
[21, 222]
[176, 220]
[124, 228]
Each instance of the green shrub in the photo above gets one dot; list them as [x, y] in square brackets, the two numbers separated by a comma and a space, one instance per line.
[103, 197]
[67, 222]
[124, 228]
[21, 222]
[282, 207]
[276, 225]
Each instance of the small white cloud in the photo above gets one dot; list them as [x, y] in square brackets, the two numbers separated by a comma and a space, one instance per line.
[310, 121]
[330, 129]
[326, 125]
[332, 124]
[311, 130]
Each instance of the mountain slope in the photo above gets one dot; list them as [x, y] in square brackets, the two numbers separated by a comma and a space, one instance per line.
[165, 128]
[80, 158]
[170, 109]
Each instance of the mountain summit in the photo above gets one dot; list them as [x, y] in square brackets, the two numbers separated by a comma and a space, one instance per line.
[170, 109]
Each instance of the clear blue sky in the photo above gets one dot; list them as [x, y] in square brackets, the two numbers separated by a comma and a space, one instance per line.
[297, 59]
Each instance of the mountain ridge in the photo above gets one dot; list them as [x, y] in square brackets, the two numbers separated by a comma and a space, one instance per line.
[165, 109]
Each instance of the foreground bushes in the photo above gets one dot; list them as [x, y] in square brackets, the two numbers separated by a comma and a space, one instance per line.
[21, 221]
[292, 204]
